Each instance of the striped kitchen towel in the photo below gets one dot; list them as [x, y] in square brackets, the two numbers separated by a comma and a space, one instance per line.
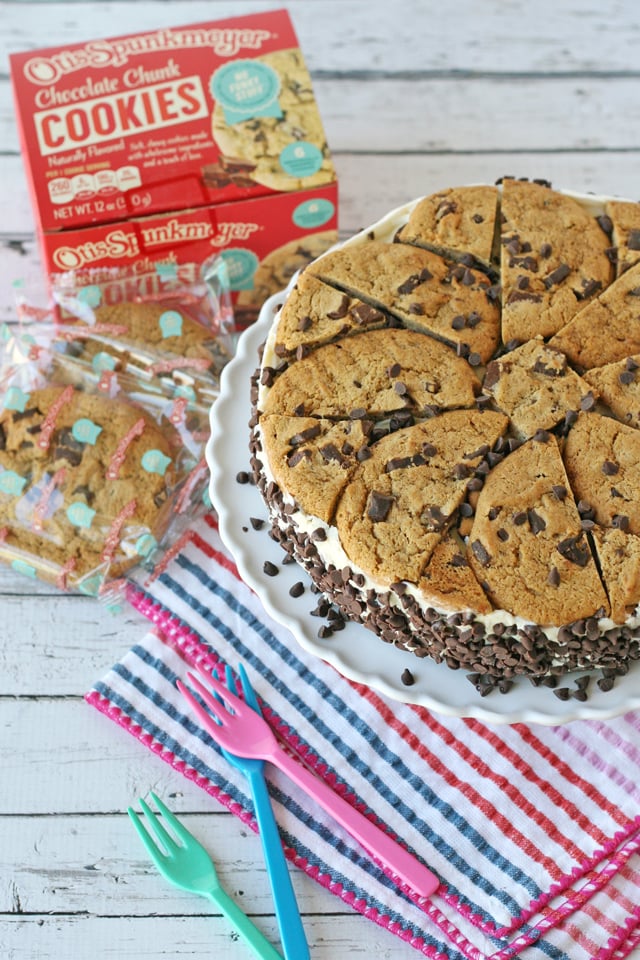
[534, 831]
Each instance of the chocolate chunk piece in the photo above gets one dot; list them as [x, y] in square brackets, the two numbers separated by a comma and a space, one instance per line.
[379, 506]
[575, 550]
[557, 275]
[481, 553]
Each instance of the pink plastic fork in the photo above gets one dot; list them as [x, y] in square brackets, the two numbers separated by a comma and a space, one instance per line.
[247, 734]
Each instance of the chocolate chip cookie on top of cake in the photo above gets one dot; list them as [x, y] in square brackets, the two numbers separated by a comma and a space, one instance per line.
[527, 544]
[536, 387]
[554, 259]
[373, 375]
[421, 289]
[459, 223]
[400, 501]
[607, 329]
[618, 385]
[602, 459]
[314, 458]
[619, 558]
[316, 313]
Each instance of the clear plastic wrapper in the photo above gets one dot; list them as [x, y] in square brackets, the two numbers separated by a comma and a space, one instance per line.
[104, 416]
[160, 328]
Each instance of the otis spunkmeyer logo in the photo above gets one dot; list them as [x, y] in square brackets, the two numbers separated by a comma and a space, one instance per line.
[224, 42]
[123, 243]
[119, 244]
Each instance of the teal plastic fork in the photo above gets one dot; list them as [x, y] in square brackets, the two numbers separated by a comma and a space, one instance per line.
[292, 935]
[184, 862]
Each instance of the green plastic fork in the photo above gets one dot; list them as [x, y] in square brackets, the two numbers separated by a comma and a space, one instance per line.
[184, 862]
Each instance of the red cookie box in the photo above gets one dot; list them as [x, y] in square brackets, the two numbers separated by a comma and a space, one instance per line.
[124, 126]
[245, 234]
[169, 146]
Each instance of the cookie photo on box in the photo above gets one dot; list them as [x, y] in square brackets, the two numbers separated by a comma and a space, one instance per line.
[283, 146]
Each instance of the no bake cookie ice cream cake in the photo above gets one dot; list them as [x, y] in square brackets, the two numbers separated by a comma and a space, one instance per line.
[446, 430]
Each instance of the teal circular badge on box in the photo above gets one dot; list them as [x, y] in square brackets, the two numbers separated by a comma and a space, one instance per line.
[246, 89]
[241, 265]
[301, 159]
[313, 213]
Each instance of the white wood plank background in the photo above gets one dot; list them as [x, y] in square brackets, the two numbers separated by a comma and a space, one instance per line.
[414, 95]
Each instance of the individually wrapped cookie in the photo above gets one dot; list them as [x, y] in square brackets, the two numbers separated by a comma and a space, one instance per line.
[98, 473]
[161, 326]
[160, 332]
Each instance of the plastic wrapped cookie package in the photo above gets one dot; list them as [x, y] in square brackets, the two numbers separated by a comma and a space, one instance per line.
[165, 325]
[103, 423]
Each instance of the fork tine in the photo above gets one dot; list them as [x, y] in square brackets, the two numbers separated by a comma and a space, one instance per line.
[216, 707]
[152, 848]
[228, 694]
[160, 832]
[248, 691]
[195, 705]
[230, 680]
[224, 694]
[208, 717]
[178, 828]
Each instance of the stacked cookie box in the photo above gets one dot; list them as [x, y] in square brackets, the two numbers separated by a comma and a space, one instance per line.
[174, 145]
